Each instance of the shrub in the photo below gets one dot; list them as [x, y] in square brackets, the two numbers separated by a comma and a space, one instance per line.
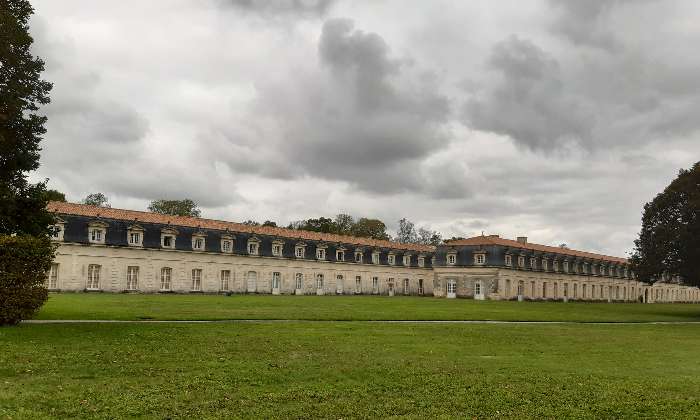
[24, 262]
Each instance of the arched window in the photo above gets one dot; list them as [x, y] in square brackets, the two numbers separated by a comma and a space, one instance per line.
[299, 281]
[319, 281]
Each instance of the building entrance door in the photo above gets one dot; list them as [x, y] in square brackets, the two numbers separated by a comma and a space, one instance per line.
[451, 288]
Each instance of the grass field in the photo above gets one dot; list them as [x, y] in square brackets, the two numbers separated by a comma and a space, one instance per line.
[347, 308]
[306, 369]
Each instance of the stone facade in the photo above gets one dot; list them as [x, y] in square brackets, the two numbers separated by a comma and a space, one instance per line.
[112, 250]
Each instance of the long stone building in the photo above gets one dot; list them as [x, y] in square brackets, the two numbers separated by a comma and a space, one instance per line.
[113, 250]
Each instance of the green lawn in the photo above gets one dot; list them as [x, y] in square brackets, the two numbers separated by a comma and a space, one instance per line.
[212, 307]
[349, 370]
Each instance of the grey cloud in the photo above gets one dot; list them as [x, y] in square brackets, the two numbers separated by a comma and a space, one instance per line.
[529, 102]
[350, 120]
[282, 7]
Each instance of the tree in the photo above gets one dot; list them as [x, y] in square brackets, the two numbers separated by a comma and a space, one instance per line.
[344, 224]
[407, 232]
[96, 199]
[370, 228]
[668, 245]
[22, 91]
[429, 237]
[251, 223]
[184, 207]
[269, 223]
[54, 195]
[25, 249]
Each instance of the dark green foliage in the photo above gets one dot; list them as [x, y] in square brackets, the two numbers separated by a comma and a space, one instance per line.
[270, 223]
[669, 241]
[97, 199]
[370, 228]
[54, 195]
[344, 224]
[22, 205]
[184, 207]
[24, 261]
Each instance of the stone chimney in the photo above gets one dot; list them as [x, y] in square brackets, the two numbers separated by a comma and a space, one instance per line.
[522, 239]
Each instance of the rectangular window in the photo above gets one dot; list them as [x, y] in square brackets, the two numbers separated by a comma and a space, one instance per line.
[253, 248]
[544, 264]
[391, 259]
[375, 285]
[132, 278]
[532, 289]
[420, 286]
[320, 254]
[168, 241]
[544, 290]
[575, 290]
[196, 279]
[555, 265]
[421, 261]
[521, 262]
[566, 266]
[299, 280]
[339, 284]
[299, 251]
[375, 258]
[277, 250]
[135, 238]
[358, 285]
[480, 258]
[165, 278]
[225, 279]
[533, 263]
[509, 260]
[96, 235]
[52, 281]
[358, 257]
[319, 281]
[340, 256]
[477, 288]
[406, 287]
[276, 280]
[566, 290]
[451, 258]
[93, 281]
[226, 245]
[407, 260]
[198, 243]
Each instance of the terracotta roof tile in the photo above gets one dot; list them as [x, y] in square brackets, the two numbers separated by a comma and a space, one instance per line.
[493, 240]
[149, 217]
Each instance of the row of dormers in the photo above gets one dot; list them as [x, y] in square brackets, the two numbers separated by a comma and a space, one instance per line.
[135, 233]
[537, 261]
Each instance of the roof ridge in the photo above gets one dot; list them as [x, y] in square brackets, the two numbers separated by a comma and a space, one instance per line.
[65, 207]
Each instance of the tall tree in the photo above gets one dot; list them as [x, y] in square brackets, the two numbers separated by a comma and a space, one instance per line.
[22, 91]
[55, 195]
[669, 241]
[407, 232]
[344, 224]
[97, 199]
[184, 207]
[25, 249]
[370, 228]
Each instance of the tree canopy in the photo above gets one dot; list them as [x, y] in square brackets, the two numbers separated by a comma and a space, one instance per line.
[185, 207]
[668, 245]
[408, 234]
[55, 195]
[22, 91]
[96, 199]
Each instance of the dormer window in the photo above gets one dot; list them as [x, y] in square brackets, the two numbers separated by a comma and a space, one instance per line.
[226, 244]
[602, 270]
[533, 263]
[451, 259]
[480, 259]
[509, 260]
[300, 250]
[358, 256]
[375, 257]
[545, 264]
[340, 255]
[555, 265]
[253, 246]
[198, 242]
[521, 261]
[407, 260]
[277, 248]
[57, 230]
[566, 266]
[421, 261]
[321, 253]
[391, 258]
[167, 238]
[135, 235]
[97, 232]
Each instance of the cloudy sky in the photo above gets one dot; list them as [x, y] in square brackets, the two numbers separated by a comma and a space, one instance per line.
[552, 119]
